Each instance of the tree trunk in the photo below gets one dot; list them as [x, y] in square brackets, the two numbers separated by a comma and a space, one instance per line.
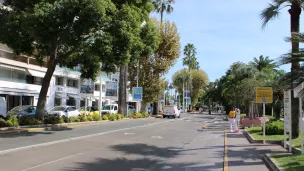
[122, 94]
[295, 12]
[45, 86]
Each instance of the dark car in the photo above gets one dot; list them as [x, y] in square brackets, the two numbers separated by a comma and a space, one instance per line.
[21, 111]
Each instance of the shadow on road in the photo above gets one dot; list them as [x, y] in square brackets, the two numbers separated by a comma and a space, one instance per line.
[142, 157]
[23, 134]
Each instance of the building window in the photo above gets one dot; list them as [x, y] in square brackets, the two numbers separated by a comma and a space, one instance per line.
[30, 79]
[57, 101]
[97, 87]
[72, 83]
[71, 102]
[103, 88]
[59, 81]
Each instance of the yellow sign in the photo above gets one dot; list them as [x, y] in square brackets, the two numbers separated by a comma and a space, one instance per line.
[263, 95]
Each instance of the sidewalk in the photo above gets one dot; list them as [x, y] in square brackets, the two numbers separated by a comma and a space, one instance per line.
[243, 156]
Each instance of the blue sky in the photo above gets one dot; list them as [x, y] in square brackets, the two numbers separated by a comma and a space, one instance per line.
[226, 31]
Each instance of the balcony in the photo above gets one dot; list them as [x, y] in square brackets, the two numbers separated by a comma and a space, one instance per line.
[67, 90]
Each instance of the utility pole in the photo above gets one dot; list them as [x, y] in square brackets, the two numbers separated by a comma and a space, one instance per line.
[183, 95]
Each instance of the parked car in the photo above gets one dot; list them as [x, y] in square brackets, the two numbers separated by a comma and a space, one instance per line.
[89, 108]
[26, 110]
[109, 109]
[171, 111]
[2, 107]
[66, 111]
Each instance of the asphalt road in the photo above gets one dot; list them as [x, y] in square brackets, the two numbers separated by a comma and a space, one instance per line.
[131, 145]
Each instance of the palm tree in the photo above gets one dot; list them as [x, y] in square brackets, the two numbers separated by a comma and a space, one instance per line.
[295, 9]
[162, 6]
[190, 60]
[263, 63]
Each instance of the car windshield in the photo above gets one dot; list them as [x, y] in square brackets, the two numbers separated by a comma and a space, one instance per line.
[19, 108]
[107, 107]
[58, 108]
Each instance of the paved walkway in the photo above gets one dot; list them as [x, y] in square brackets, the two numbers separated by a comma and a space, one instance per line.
[243, 156]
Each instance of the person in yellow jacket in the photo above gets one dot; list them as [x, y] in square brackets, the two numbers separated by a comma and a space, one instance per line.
[231, 116]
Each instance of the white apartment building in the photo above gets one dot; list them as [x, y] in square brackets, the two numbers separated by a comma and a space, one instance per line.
[21, 78]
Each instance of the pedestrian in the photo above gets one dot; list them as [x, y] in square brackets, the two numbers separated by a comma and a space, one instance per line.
[149, 110]
[237, 119]
[232, 114]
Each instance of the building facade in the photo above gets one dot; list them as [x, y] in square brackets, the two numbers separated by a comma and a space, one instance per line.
[21, 79]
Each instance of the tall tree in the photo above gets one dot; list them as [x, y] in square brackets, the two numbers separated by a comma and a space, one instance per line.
[162, 6]
[295, 9]
[263, 62]
[128, 39]
[63, 32]
[190, 57]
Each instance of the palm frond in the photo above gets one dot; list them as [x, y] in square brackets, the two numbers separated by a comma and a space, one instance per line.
[270, 13]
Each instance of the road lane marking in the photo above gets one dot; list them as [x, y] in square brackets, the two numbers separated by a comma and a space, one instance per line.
[129, 133]
[225, 152]
[77, 138]
[31, 168]
[158, 137]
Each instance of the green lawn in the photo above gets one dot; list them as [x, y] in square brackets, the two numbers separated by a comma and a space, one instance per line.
[290, 163]
[257, 134]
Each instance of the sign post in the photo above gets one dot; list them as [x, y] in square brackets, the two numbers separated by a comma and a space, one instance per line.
[297, 93]
[264, 95]
[287, 119]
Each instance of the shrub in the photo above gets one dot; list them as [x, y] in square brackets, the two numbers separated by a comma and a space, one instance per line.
[29, 121]
[13, 120]
[120, 116]
[145, 115]
[83, 118]
[275, 128]
[73, 119]
[96, 117]
[53, 119]
[112, 117]
[9, 123]
[2, 123]
[105, 117]
[90, 118]
[136, 115]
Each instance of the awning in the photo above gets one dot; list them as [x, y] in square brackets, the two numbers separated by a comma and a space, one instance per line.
[60, 96]
[11, 67]
[36, 73]
[76, 97]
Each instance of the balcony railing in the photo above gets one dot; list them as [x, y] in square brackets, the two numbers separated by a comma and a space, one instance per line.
[68, 90]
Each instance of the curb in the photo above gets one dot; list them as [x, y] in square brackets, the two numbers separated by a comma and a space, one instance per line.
[253, 141]
[294, 149]
[272, 164]
[55, 126]
[225, 160]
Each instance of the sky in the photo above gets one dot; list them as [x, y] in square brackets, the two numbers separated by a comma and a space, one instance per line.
[227, 31]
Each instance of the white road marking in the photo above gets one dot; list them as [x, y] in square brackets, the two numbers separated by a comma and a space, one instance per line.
[129, 133]
[31, 168]
[158, 137]
[76, 138]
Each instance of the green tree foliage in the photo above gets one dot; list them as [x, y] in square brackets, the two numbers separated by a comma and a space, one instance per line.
[295, 9]
[165, 54]
[198, 78]
[63, 32]
[190, 57]
[162, 6]
[263, 62]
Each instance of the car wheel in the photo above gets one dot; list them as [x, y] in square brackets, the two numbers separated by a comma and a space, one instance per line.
[164, 116]
[179, 116]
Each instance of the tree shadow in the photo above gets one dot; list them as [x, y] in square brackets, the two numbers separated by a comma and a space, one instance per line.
[143, 164]
[146, 150]
[23, 134]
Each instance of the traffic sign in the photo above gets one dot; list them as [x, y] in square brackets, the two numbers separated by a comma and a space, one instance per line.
[263, 95]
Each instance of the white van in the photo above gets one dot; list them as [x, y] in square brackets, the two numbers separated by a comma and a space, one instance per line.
[109, 109]
[171, 111]
[2, 107]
